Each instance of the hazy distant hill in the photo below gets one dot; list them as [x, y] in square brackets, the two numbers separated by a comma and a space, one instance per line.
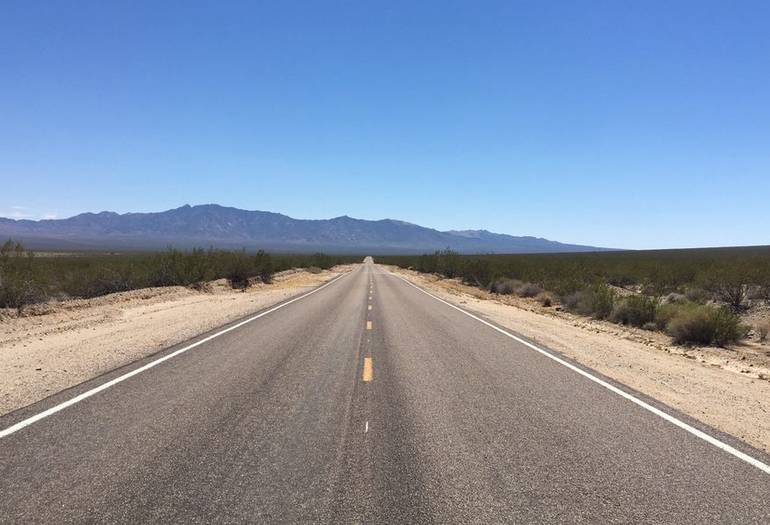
[219, 226]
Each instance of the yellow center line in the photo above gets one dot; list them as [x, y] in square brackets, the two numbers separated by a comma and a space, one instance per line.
[367, 375]
[370, 307]
[368, 325]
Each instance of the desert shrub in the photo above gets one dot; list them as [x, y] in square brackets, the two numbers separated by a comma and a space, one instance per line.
[445, 262]
[263, 266]
[504, 286]
[674, 298]
[635, 310]
[657, 273]
[528, 290]
[96, 281]
[448, 263]
[174, 267]
[621, 279]
[651, 326]
[664, 313]
[26, 279]
[546, 299]
[571, 302]
[239, 269]
[764, 291]
[563, 287]
[762, 329]
[18, 284]
[706, 325]
[696, 295]
[729, 284]
[596, 301]
[602, 301]
[321, 260]
[313, 269]
[476, 272]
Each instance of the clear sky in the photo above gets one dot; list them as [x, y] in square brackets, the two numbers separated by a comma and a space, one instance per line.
[616, 123]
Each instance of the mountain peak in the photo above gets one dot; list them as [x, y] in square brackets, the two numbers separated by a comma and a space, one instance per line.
[226, 227]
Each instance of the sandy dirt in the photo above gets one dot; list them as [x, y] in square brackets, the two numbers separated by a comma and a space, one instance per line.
[728, 389]
[60, 344]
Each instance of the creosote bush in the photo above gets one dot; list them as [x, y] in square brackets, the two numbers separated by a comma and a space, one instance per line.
[239, 269]
[696, 295]
[546, 299]
[174, 267]
[684, 280]
[18, 286]
[504, 286]
[656, 273]
[26, 278]
[528, 290]
[729, 284]
[634, 310]
[674, 298]
[664, 313]
[706, 325]
[596, 301]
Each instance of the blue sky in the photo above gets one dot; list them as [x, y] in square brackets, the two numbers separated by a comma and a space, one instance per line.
[623, 124]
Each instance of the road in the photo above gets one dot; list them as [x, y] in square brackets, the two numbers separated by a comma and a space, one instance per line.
[365, 401]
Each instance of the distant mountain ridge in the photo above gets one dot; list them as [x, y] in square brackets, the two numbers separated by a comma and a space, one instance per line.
[224, 227]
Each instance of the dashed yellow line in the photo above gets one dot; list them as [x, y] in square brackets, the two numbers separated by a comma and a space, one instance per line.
[368, 325]
[367, 375]
[370, 307]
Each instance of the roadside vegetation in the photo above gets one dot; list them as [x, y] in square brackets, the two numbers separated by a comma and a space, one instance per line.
[696, 296]
[27, 279]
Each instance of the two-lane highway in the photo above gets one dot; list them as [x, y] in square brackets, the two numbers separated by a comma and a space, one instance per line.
[367, 401]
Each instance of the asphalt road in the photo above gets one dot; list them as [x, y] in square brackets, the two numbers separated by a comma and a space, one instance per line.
[346, 407]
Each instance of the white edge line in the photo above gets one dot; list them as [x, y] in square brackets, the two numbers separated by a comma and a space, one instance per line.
[671, 419]
[80, 397]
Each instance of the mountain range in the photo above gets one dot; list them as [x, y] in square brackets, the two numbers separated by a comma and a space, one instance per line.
[224, 227]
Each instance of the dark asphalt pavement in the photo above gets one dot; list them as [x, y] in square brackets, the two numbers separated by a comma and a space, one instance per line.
[275, 422]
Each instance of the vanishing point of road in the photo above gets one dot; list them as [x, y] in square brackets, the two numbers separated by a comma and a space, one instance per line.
[368, 400]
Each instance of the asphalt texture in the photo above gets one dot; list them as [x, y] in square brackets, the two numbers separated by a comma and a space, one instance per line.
[276, 422]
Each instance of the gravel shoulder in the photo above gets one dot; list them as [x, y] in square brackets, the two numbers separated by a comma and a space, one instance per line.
[728, 389]
[58, 345]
